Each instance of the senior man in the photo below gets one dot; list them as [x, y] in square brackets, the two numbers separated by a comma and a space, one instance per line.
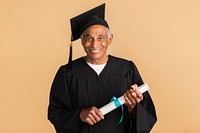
[85, 84]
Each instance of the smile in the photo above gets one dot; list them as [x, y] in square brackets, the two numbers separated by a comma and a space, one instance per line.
[95, 50]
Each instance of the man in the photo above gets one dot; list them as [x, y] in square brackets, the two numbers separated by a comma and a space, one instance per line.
[84, 85]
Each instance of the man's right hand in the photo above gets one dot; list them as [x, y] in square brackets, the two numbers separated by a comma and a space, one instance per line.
[91, 115]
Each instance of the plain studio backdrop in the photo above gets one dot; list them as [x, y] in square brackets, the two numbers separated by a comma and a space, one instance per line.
[160, 36]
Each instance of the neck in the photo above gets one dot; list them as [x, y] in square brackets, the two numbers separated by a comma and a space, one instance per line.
[96, 61]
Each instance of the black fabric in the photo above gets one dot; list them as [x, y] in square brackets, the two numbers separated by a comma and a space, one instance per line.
[77, 86]
[93, 20]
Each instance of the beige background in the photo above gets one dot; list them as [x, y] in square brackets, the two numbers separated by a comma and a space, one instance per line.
[160, 36]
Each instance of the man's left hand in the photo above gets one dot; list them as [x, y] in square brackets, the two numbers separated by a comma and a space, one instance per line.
[132, 97]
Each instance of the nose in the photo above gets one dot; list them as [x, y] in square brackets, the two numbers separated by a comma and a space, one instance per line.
[95, 43]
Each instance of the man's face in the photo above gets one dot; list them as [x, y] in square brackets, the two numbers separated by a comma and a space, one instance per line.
[95, 42]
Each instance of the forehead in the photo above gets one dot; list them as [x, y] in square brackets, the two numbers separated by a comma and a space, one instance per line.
[96, 29]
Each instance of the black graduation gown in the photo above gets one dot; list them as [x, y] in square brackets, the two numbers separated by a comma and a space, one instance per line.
[77, 86]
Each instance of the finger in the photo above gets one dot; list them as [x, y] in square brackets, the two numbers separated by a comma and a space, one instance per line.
[96, 118]
[138, 97]
[133, 94]
[89, 121]
[86, 115]
[128, 102]
[134, 87]
[129, 98]
[139, 94]
[133, 97]
[96, 113]
[91, 118]
[99, 113]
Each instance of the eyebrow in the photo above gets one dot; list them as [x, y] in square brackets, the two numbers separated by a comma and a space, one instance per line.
[87, 35]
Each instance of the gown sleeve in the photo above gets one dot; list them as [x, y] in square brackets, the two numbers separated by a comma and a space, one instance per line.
[60, 111]
[143, 116]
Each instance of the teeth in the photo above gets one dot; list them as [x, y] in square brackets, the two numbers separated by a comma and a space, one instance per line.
[95, 50]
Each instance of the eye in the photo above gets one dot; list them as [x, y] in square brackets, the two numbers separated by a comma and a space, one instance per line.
[88, 38]
[100, 38]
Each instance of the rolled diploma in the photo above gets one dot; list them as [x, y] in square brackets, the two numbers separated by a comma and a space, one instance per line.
[111, 106]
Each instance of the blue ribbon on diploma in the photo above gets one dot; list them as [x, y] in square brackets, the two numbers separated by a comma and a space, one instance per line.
[118, 104]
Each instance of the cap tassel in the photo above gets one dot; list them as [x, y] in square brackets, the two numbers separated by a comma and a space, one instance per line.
[70, 54]
[70, 51]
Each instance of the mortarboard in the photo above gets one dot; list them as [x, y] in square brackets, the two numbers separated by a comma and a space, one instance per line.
[85, 20]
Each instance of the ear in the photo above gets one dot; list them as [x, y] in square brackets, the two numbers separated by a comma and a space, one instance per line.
[81, 37]
[110, 39]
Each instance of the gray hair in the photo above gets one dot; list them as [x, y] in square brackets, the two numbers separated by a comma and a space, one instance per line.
[109, 33]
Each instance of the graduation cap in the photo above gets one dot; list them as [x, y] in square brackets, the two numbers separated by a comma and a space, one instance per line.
[85, 20]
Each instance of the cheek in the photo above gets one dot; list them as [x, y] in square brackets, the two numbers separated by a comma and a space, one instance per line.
[105, 45]
[85, 45]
